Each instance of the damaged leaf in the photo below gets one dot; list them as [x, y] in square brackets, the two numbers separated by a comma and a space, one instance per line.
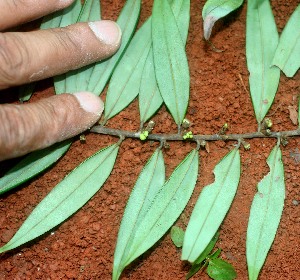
[212, 206]
[287, 55]
[265, 214]
[214, 10]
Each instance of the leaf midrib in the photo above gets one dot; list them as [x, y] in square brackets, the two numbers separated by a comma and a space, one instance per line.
[49, 213]
[212, 205]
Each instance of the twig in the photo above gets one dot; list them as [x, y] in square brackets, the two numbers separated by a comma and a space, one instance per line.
[178, 137]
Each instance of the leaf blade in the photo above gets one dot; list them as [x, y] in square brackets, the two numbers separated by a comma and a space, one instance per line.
[77, 80]
[171, 66]
[125, 81]
[67, 197]
[212, 206]
[103, 70]
[219, 269]
[149, 95]
[144, 191]
[265, 214]
[167, 206]
[213, 10]
[287, 55]
[261, 43]
[32, 165]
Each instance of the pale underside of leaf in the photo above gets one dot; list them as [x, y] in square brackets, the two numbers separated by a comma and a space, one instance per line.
[32, 165]
[67, 197]
[77, 80]
[265, 214]
[171, 66]
[103, 70]
[125, 81]
[214, 10]
[287, 55]
[149, 96]
[261, 43]
[149, 183]
[166, 207]
[63, 18]
[212, 206]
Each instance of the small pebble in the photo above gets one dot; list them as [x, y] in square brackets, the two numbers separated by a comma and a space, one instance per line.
[295, 202]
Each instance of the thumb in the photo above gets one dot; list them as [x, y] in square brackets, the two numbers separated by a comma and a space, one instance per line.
[33, 126]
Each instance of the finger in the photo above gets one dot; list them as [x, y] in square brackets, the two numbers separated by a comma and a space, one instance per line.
[15, 12]
[31, 56]
[32, 126]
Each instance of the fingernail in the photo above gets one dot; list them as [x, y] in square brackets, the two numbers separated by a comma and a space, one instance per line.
[106, 31]
[90, 102]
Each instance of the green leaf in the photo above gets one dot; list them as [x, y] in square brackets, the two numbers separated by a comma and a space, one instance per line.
[265, 214]
[149, 96]
[26, 91]
[215, 254]
[198, 263]
[61, 19]
[213, 10]
[287, 55]
[212, 206]
[103, 70]
[220, 270]
[165, 208]
[32, 165]
[177, 236]
[170, 61]
[126, 79]
[147, 186]
[77, 80]
[261, 43]
[67, 197]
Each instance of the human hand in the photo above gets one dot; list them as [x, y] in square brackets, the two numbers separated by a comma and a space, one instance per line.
[31, 56]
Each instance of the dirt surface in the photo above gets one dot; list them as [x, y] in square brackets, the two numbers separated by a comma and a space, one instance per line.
[83, 246]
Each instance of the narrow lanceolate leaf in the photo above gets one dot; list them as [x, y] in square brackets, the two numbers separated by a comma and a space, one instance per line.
[126, 79]
[67, 197]
[103, 70]
[265, 213]
[212, 206]
[261, 43]
[32, 165]
[78, 80]
[61, 19]
[171, 66]
[147, 186]
[149, 96]
[165, 208]
[287, 55]
[214, 10]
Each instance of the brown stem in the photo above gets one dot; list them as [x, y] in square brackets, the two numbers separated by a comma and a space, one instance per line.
[177, 137]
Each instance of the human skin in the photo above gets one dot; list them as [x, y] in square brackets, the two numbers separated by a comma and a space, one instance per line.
[31, 56]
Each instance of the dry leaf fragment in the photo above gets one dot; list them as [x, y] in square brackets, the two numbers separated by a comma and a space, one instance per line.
[293, 114]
